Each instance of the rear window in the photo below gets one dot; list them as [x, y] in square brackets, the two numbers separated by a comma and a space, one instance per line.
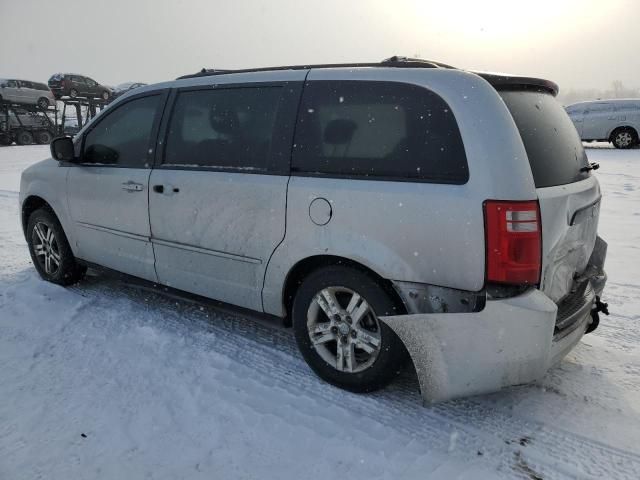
[378, 130]
[552, 143]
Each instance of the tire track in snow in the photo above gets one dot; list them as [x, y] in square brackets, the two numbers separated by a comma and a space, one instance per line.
[548, 450]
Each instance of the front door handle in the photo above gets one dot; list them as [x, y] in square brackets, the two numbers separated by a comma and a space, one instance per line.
[132, 186]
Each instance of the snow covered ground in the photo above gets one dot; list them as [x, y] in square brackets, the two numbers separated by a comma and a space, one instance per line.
[107, 381]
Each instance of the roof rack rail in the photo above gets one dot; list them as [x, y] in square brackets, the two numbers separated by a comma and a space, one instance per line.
[395, 61]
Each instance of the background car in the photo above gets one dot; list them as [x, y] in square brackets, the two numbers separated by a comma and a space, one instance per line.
[616, 121]
[26, 92]
[74, 86]
[125, 87]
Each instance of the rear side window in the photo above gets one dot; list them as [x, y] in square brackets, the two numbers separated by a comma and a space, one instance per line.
[600, 108]
[387, 130]
[123, 136]
[229, 128]
[552, 143]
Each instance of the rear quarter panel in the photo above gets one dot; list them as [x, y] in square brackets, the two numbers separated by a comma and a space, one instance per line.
[415, 232]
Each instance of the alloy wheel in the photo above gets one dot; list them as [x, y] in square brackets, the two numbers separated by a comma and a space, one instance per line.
[624, 139]
[344, 329]
[46, 249]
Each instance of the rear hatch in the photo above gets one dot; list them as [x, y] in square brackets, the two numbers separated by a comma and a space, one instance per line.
[569, 196]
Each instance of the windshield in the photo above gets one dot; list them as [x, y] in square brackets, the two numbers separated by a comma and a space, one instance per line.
[552, 143]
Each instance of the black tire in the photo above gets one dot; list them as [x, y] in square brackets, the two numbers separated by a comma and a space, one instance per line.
[68, 270]
[43, 137]
[73, 93]
[391, 354]
[43, 103]
[5, 140]
[624, 138]
[105, 95]
[24, 137]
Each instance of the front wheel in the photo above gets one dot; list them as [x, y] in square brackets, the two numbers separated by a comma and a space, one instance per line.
[50, 250]
[337, 329]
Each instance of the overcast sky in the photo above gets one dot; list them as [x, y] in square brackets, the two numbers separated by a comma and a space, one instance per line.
[578, 43]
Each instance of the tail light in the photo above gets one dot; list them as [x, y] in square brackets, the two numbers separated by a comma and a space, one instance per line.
[513, 242]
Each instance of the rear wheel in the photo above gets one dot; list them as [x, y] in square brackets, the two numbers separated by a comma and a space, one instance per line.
[73, 93]
[43, 103]
[24, 137]
[105, 95]
[5, 140]
[50, 250]
[624, 138]
[337, 329]
[43, 137]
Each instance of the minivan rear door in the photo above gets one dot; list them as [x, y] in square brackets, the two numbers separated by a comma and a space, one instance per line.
[217, 200]
[569, 196]
[599, 119]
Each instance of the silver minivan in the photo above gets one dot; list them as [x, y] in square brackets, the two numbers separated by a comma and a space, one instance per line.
[616, 121]
[26, 92]
[389, 212]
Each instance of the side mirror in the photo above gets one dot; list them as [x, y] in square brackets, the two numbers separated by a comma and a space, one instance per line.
[62, 149]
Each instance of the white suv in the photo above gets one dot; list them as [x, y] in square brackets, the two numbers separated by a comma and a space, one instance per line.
[380, 209]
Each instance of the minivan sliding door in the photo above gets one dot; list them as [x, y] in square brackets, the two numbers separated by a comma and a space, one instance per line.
[218, 199]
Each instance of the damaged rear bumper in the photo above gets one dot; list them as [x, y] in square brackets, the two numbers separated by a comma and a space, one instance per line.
[512, 341]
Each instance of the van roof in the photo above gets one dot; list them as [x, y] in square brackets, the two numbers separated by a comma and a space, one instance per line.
[607, 100]
[500, 81]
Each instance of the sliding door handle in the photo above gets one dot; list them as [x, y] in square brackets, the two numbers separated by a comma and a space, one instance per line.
[166, 189]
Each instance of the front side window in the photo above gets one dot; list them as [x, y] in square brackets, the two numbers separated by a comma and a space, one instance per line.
[378, 129]
[123, 136]
[223, 128]
[91, 83]
[12, 84]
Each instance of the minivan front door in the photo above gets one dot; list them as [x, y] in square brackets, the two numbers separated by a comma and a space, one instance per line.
[107, 190]
[218, 201]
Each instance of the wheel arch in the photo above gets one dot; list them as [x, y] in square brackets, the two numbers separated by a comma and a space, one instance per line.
[622, 127]
[30, 205]
[307, 265]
